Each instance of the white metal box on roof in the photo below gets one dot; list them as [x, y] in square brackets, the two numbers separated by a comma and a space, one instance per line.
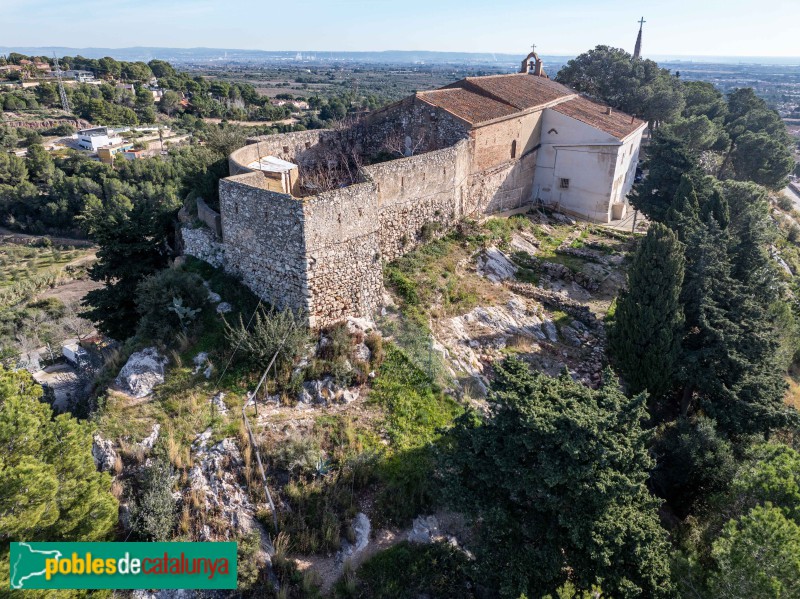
[281, 172]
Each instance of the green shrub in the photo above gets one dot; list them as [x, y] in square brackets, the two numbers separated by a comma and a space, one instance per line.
[61, 130]
[284, 332]
[408, 571]
[374, 342]
[785, 203]
[168, 301]
[402, 285]
[153, 516]
[339, 343]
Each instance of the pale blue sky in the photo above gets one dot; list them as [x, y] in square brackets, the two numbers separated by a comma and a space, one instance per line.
[674, 27]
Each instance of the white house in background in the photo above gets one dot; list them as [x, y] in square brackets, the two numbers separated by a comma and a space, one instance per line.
[586, 164]
[79, 76]
[97, 137]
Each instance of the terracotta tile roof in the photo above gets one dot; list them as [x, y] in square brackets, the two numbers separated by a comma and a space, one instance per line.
[520, 90]
[471, 107]
[618, 124]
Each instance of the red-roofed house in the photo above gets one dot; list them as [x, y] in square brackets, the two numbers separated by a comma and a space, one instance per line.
[531, 140]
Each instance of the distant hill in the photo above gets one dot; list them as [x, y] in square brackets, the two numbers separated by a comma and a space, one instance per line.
[405, 57]
[179, 55]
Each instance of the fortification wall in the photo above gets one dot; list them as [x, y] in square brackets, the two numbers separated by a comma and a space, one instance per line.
[416, 194]
[202, 244]
[342, 236]
[298, 147]
[264, 240]
[324, 253]
[506, 187]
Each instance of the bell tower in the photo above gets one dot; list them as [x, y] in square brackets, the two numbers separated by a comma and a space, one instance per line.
[637, 51]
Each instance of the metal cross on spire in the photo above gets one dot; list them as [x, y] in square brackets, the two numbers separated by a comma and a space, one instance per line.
[533, 47]
[637, 51]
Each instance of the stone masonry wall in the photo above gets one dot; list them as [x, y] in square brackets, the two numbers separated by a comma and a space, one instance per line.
[506, 187]
[202, 244]
[264, 240]
[299, 147]
[342, 235]
[324, 253]
[417, 192]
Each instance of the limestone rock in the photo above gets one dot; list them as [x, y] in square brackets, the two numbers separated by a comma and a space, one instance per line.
[361, 353]
[199, 361]
[143, 371]
[550, 330]
[495, 266]
[361, 527]
[571, 336]
[214, 476]
[424, 530]
[103, 454]
[150, 440]
[522, 244]
[219, 404]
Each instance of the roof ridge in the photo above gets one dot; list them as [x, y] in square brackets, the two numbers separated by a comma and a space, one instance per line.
[497, 75]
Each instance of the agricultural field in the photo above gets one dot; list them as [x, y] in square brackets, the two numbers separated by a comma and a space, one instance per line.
[26, 270]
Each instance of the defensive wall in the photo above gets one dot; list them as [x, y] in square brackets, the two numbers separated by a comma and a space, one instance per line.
[324, 253]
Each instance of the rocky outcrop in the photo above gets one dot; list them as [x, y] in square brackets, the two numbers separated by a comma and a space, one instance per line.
[558, 301]
[214, 478]
[424, 530]
[324, 392]
[143, 371]
[361, 529]
[495, 266]
[103, 453]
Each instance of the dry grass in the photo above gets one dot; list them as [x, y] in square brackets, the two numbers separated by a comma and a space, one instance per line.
[792, 397]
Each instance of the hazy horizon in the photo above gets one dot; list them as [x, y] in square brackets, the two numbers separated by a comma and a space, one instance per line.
[713, 28]
[159, 51]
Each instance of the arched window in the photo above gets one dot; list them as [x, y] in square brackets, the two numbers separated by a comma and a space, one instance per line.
[514, 149]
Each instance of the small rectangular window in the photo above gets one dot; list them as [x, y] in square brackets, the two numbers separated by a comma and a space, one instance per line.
[564, 184]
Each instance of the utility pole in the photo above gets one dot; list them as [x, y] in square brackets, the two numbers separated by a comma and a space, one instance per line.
[61, 91]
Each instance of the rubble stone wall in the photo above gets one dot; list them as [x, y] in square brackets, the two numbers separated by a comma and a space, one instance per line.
[264, 240]
[343, 258]
[324, 253]
[419, 197]
[202, 244]
[427, 128]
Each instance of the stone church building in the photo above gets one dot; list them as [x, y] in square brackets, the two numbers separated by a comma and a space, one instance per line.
[308, 218]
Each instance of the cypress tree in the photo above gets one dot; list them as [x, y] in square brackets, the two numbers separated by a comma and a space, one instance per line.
[646, 335]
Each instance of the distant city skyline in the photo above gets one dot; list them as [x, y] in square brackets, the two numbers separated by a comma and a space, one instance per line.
[676, 28]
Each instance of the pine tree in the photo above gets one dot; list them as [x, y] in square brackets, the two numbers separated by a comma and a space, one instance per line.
[49, 487]
[557, 473]
[646, 335]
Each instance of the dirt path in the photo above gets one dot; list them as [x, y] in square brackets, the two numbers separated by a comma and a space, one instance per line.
[329, 571]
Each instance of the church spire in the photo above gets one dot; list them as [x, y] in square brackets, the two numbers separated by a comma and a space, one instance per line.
[637, 52]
